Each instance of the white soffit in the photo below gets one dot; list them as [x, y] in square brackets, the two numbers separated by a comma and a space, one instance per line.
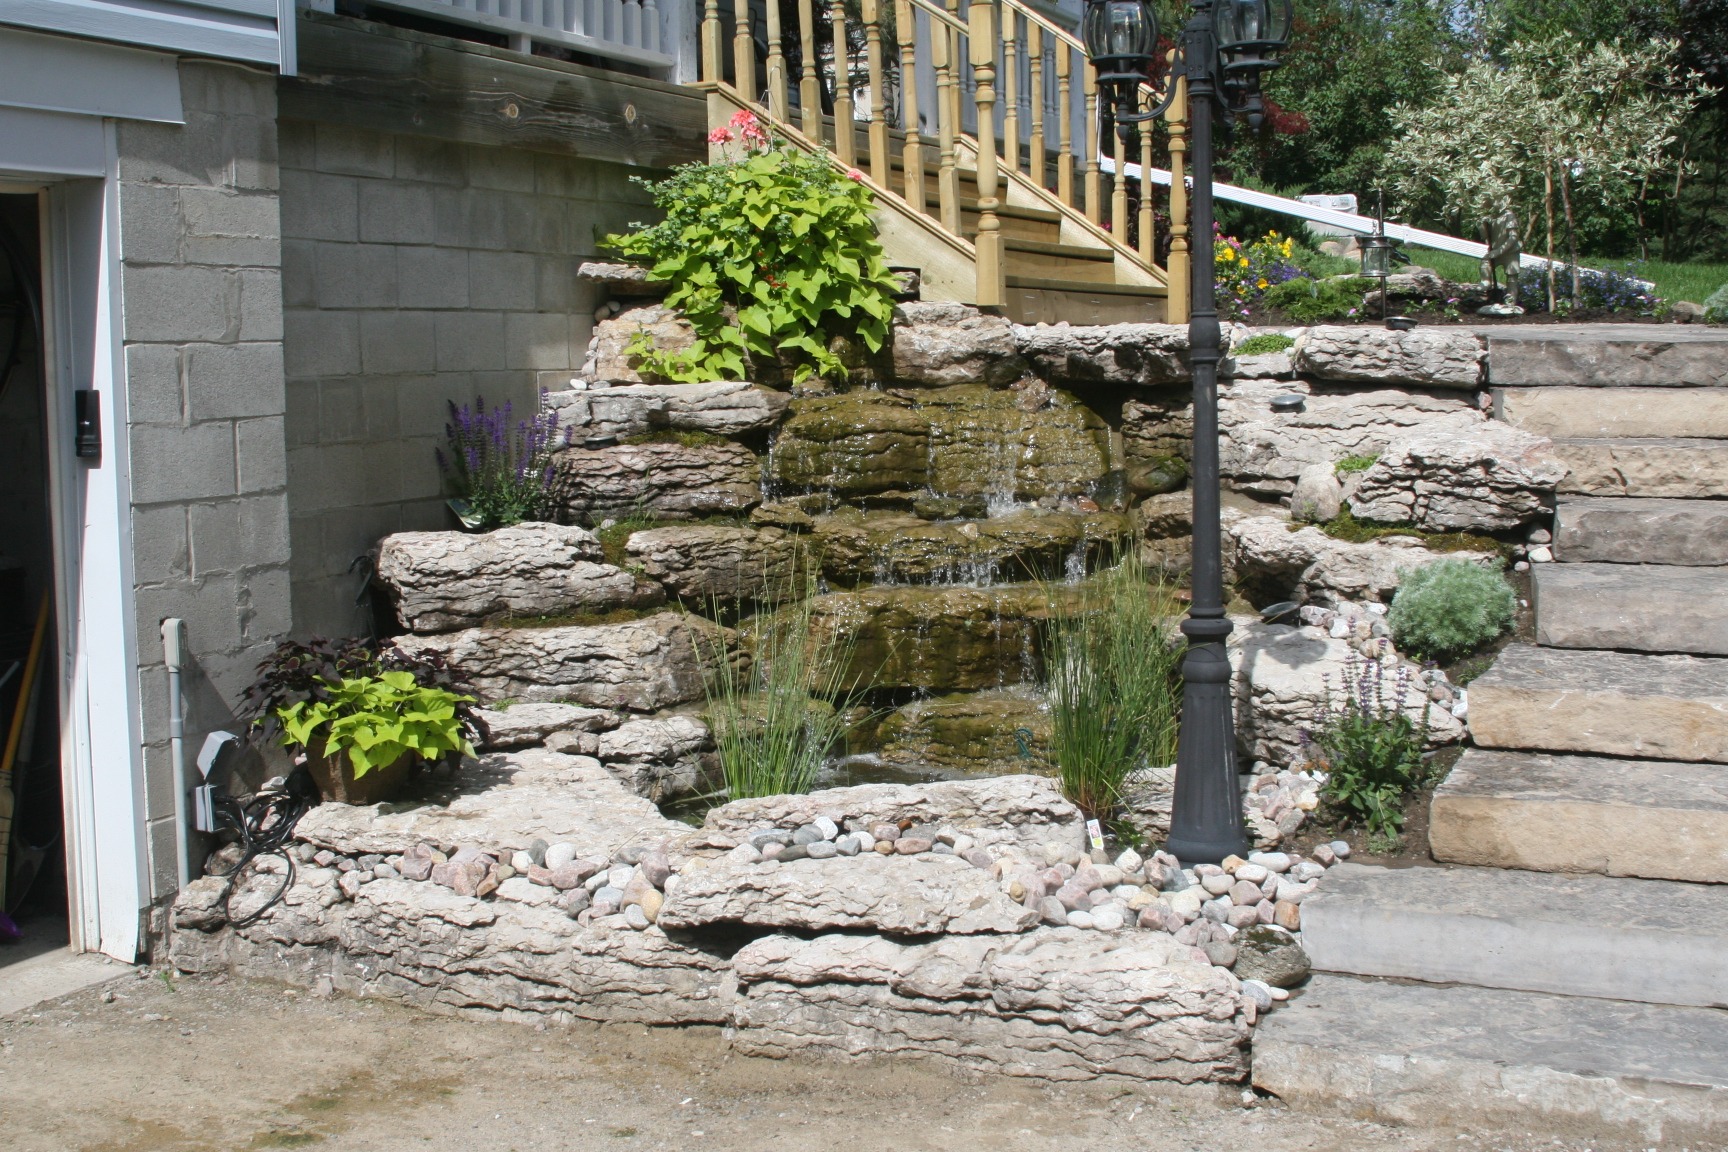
[59, 74]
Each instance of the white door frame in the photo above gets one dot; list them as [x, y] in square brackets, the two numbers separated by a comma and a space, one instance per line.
[102, 777]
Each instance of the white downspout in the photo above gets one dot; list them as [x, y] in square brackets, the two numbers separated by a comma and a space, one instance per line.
[173, 636]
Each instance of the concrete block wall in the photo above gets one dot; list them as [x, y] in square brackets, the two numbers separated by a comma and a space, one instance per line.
[417, 272]
[200, 245]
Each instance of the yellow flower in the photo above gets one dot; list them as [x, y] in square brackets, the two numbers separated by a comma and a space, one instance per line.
[1260, 283]
[1244, 260]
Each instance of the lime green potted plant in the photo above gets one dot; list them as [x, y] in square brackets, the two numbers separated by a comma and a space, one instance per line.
[364, 718]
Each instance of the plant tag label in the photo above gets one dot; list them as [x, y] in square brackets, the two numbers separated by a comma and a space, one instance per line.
[1095, 833]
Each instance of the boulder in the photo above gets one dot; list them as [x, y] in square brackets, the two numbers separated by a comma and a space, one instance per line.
[1157, 441]
[1263, 451]
[896, 895]
[622, 279]
[942, 343]
[1008, 445]
[996, 731]
[661, 759]
[1054, 1003]
[1270, 955]
[936, 639]
[1421, 358]
[639, 666]
[1489, 479]
[966, 440]
[1276, 560]
[1028, 811]
[426, 946]
[670, 480]
[851, 444]
[705, 563]
[1285, 678]
[894, 547]
[725, 409]
[1317, 496]
[498, 804]
[445, 580]
[524, 725]
[610, 359]
[1137, 355]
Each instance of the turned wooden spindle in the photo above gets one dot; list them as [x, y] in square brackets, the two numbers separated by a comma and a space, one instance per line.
[992, 291]
[845, 136]
[912, 152]
[875, 108]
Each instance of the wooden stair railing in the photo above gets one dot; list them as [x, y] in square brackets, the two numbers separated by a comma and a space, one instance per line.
[1014, 139]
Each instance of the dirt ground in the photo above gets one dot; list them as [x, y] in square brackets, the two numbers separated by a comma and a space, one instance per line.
[199, 1065]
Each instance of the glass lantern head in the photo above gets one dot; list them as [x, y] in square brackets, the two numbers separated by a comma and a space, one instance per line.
[1377, 255]
[1121, 37]
[1250, 34]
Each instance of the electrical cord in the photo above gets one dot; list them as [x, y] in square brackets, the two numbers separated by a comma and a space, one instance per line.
[265, 822]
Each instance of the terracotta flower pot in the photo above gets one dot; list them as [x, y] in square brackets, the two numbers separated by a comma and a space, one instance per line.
[334, 776]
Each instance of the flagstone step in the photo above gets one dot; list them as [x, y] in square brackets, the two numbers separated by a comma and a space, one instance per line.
[1685, 468]
[1636, 607]
[1611, 530]
[1421, 1054]
[1608, 355]
[1615, 412]
[1652, 941]
[1658, 819]
[1604, 703]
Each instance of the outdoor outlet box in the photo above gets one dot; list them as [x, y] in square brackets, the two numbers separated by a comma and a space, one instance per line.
[204, 796]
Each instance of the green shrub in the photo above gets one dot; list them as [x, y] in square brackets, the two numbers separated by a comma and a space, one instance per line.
[1307, 301]
[1113, 682]
[769, 257]
[1355, 464]
[377, 720]
[1450, 608]
[1263, 344]
[1716, 306]
[1370, 747]
[776, 717]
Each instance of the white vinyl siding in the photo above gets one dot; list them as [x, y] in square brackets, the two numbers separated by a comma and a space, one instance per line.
[225, 29]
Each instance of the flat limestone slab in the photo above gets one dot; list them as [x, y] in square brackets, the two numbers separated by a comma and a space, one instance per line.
[1615, 412]
[1605, 703]
[1657, 819]
[1423, 1055]
[1662, 358]
[1652, 941]
[501, 803]
[1692, 533]
[899, 895]
[1056, 1003]
[1637, 607]
[1684, 468]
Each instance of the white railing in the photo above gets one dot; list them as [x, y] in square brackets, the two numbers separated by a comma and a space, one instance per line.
[630, 31]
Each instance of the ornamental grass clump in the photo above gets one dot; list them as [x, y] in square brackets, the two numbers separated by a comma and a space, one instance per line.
[770, 257]
[1450, 608]
[1370, 747]
[501, 472]
[777, 715]
[1113, 681]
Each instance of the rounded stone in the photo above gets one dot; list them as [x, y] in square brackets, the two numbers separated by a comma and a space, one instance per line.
[1269, 953]
[558, 855]
[1253, 873]
[1217, 885]
[911, 845]
[1340, 849]
[1220, 953]
[826, 827]
[1108, 918]
[636, 918]
[1079, 919]
[822, 850]
[1050, 910]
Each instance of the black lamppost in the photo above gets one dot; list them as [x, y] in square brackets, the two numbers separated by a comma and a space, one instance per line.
[1227, 46]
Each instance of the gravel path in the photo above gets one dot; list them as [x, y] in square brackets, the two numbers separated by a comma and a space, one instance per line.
[212, 1065]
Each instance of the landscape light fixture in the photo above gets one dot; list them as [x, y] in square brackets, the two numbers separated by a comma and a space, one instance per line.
[1227, 47]
[1379, 253]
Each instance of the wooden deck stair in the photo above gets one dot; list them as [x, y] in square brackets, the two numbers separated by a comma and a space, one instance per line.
[996, 202]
